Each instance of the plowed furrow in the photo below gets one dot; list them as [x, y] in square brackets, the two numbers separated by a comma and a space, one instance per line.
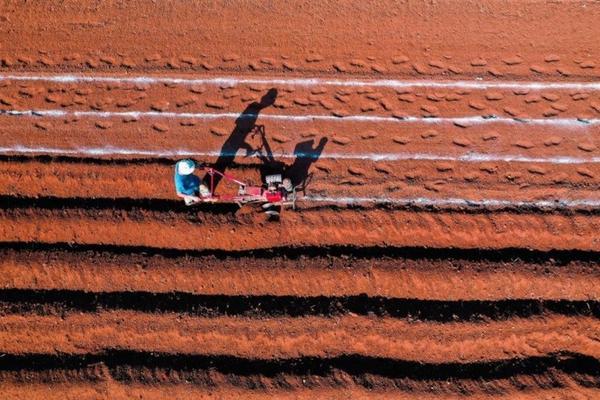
[119, 372]
[298, 337]
[446, 244]
[60, 302]
[151, 179]
[403, 273]
[89, 221]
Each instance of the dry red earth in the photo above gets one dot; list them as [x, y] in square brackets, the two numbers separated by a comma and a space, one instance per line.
[446, 245]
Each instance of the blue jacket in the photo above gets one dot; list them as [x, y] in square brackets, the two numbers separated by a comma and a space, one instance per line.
[186, 184]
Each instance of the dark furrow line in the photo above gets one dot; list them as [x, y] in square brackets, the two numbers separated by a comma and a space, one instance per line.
[8, 202]
[59, 302]
[115, 204]
[148, 368]
[325, 253]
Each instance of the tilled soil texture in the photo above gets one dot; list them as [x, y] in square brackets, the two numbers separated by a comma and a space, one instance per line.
[445, 244]
[380, 38]
[363, 275]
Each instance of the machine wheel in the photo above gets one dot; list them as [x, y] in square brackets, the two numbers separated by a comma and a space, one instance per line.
[272, 211]
[267, 206]
[287, 184]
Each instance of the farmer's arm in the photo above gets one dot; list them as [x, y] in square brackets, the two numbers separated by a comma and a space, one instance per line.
[180, 189]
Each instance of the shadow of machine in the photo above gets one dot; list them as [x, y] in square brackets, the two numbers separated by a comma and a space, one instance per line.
[298, 172]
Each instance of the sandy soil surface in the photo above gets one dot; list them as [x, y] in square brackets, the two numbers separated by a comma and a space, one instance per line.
[446, 244]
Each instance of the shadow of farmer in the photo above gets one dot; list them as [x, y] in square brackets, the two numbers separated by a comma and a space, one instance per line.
[244, 124]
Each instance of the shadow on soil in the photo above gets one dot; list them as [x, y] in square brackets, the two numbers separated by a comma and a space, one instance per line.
[306, 153]
[244, 125]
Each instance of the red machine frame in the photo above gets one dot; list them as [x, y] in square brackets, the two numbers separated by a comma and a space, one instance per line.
[272, 193]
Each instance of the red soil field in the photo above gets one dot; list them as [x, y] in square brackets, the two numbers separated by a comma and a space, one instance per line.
[445, 245]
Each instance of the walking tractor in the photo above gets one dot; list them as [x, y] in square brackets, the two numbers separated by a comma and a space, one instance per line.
[273, 195]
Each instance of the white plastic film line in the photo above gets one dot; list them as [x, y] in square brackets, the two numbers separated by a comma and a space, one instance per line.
[570, 122]
[232, 81]
[466, 157]
[457, 202]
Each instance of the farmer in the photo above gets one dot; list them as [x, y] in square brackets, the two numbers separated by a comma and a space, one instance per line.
[187, 185]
